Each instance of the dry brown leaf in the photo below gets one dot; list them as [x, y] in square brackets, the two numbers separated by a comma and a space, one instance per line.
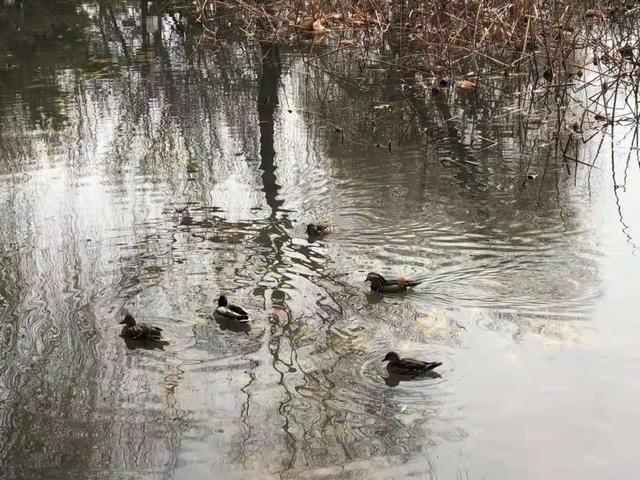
[593, 12]
[318, 26]
[306, 23]
[466, 85]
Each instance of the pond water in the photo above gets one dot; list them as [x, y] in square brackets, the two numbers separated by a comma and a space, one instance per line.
[147, 169]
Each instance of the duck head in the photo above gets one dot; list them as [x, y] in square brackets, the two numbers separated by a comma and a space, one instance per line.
[312, 229]
[129, 321]
[391, 357]
[374, 277]
[222, 301]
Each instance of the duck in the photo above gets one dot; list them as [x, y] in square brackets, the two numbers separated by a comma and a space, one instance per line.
[229, 310]
[141, 331]
[408, 366]
[382, 285]
[318, 228]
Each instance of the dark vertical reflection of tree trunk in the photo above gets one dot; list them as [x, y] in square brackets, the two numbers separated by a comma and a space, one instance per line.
[280, 324]
[143, 16]
[267, 103]
[118, 33]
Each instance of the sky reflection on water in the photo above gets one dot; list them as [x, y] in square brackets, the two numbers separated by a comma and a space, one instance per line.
[146, 172]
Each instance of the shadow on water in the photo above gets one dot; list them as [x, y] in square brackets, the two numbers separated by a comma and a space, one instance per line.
[393, 380]
[146, 167]
[143, 344]
[232, 325]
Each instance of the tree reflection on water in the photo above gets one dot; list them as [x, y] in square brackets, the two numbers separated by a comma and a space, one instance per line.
[149, 168]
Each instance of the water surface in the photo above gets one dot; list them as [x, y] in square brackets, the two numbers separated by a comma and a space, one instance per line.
[146, 168]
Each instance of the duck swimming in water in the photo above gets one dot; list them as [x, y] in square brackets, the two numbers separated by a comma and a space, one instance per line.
[394, 285]
[319, 228]
[408, 366]
[141, 331]
[230, 310]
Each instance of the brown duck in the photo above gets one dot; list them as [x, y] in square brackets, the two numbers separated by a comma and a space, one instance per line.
[407, 366]
[319, 228]
[393, 285]
[141, 331]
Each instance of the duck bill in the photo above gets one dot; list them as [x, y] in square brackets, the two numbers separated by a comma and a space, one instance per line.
[122, 322]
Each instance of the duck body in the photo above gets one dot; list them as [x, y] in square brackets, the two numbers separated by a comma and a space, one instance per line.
[319, 228]
[393, 285]
[140, 331]
[229, 310]
[408, 366]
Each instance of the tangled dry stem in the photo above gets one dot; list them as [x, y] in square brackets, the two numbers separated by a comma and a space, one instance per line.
[550, 43]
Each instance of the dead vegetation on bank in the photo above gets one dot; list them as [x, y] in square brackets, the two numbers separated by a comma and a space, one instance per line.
[550, 40]
[447, 35]
[567, 52]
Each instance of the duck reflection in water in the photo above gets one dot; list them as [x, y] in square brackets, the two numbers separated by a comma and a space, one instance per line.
[394, 379]
[231, 324]
[132, 344]
[373, 297]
